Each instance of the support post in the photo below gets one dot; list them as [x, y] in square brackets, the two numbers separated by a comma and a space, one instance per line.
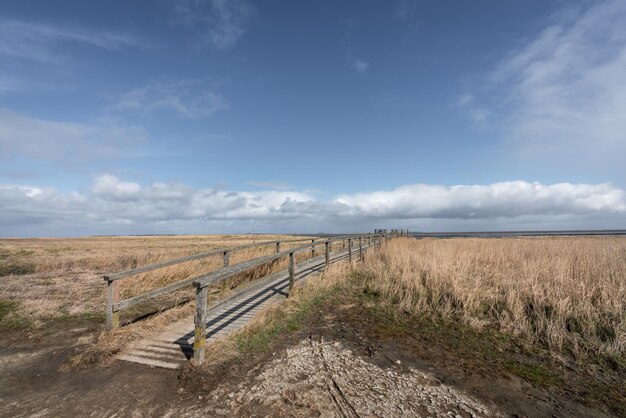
[350, 250]
[327, 252]
[226, 258]
[200, 319]
[360, 249]
[277, 247]
[113, 296]
[312, 248]
[292, 271]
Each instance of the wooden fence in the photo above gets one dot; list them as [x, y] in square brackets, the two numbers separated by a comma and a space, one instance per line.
[114, 305]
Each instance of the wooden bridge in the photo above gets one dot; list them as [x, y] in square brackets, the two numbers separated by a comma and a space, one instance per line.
[187, 338]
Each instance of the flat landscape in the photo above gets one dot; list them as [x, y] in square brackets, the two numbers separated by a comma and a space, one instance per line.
[423, 327]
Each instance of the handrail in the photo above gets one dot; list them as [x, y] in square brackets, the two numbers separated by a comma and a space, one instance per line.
[155, 266]
[114, 304]
[201, 285]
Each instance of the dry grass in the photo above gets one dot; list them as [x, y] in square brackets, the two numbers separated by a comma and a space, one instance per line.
[52, 277]
[566, 293]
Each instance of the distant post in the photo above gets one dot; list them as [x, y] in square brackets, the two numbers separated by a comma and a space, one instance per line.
[292, 271]
[312, 248]
[277, 247]
[350, 250]
[226, 258]
[327, 252]
[360, 249]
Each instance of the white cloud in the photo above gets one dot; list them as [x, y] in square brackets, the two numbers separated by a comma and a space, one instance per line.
[35, 41]
[108, 186]
[567, 86]
[116, 206]
[22, 135]
[360, 66]
[188, 98]
[220, 23]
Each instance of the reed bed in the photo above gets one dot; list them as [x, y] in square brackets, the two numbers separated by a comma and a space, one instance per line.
[52, 276]
[568, 293]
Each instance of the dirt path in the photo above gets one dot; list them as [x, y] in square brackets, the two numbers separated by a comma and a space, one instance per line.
[31, 383]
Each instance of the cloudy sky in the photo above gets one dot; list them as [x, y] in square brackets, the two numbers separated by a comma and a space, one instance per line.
[207, 116]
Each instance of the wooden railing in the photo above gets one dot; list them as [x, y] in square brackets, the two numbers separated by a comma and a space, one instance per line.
[114, 305]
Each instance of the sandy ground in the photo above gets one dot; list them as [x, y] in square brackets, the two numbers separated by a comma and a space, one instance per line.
[319, 378]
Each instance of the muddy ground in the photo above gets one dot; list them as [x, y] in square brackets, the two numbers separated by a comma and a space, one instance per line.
[339, 363]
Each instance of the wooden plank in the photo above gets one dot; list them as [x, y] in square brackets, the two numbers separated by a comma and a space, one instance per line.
[292, 271]
[150, 267]
[350, 250]
[209, 278]
[200, 320]
[360, 249]
[327, 252]
[113, 295]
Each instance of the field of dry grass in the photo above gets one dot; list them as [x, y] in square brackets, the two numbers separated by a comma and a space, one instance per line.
[568, 293]
[515, 321]
[52, 278]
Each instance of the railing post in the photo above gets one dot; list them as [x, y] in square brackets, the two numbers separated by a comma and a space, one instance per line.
[200, 319]
[312, 248]
[277, 247]
[226, 258]
[350, 250]
[113, 296]
[327, 252]
[360, 249]
[292, 271]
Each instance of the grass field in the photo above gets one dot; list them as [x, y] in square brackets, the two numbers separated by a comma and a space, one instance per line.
[48, 279]
[566, 293]
[548, 310]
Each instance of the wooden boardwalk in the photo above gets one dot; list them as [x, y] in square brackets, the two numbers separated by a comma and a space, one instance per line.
[173, 347]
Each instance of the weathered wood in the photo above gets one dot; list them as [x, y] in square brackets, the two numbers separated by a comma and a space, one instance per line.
[350, 250]
[292, 271]
[113, 295]
[208, 278]
[114, 305]
[327, 252]
[150, 267]
[277, 247]
[360, 249]
[200, 320]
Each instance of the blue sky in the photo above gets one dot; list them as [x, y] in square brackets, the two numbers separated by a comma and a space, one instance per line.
[184, 116]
